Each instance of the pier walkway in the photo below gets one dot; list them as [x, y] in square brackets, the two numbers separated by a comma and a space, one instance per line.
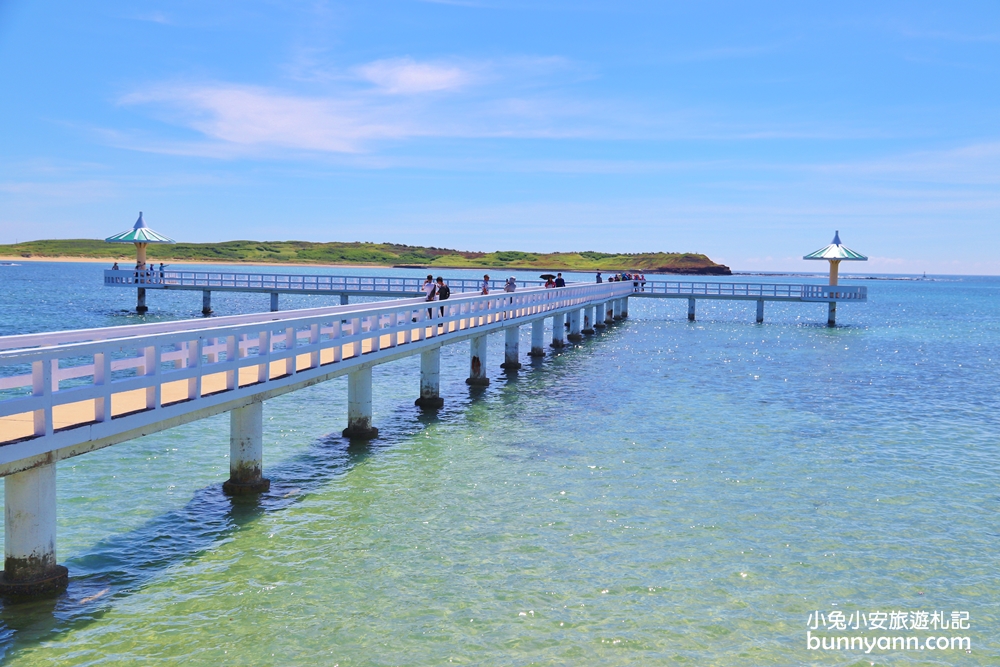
[67, 393]
[384, 286]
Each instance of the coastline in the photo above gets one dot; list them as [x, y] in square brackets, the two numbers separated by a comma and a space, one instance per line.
[436, 267]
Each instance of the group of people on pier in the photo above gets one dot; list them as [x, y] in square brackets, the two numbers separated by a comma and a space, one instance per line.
[638, 279]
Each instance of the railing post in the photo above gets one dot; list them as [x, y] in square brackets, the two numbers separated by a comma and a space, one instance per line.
[246, 451]
[691, 310]
[511, 356]
[430, 380]
[274, 302]
[477, 362]
[359, 405]
[558, 330]
[206, 302]
[760, 311]
[30, 567]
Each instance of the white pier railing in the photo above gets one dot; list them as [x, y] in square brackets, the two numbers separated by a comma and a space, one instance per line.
[65, 393]
[752, 291]
[288, 282]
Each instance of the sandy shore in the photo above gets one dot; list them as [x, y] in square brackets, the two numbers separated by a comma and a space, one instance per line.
[128, 264]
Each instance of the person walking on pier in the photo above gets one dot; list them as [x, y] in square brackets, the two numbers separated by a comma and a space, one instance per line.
[559, 280]
[443, 292]
[599, 278]
[510, 285]
[486, 284]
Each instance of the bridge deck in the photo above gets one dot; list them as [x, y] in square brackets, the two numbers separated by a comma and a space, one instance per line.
[66, 393]
[402, 287]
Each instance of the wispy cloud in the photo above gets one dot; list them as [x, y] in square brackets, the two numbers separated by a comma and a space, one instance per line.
[406, 76]
[153, 17]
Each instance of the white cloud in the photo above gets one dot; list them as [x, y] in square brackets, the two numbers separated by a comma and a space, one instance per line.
[406, 76]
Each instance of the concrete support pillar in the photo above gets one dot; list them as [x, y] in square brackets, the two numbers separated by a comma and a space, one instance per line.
[624, 307]
[588, 320]
[246, 451]
[537, 338]
[691, 310]
[511, 355]
[274, 302]
[574, 326]
[359, 405]
[609, 312]
[616, 306]
[344, 299]
[206, 302]
[831, 317]
[140, 301]
[558, 330]
[430, 380]
[760, 311]
[600, 311]
[477, 362]
[30, 567]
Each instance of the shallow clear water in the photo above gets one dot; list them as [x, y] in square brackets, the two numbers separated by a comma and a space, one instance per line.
[665, 493]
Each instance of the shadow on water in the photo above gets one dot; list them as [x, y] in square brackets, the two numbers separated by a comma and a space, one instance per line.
[119, 565]
[115, 567]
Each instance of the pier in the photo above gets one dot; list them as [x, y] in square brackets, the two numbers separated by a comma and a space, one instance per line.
[67, 393]
[386, 286]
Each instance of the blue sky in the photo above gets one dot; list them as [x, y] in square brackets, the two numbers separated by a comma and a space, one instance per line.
[747, 131]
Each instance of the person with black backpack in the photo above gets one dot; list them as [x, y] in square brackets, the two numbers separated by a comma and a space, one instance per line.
[443, 292]
[430, 291]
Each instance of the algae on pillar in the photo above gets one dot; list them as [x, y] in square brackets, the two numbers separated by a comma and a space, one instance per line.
[246, 451]
[477, 362]
[430, 380]
[558, 330]
[30, 567]
[588, 320]
[537, 338]
[359, 405]
[511, 353]
[574, 326]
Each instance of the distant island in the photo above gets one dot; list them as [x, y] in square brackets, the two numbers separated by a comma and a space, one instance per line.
[369, 254]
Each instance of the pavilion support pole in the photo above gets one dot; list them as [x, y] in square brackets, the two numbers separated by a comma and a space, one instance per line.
[574, 326]
[430, 380]
[359, 405]
[760, 311]
[140, 301]
[30, 568]
[344, 299]
[206, 302]
[558, 330]
[274, 302]
[537, 338]
[691, 310]
[511, 353]
[831, 315]
[477, 362]
[246, 451]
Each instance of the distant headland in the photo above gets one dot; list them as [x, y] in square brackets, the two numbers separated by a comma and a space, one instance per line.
[369, 254]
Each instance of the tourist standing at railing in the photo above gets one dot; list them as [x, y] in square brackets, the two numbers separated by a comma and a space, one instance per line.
[599, 279]
[486, 284]
[510, 285]
[559, 280]
[114, 267]
[162, 266]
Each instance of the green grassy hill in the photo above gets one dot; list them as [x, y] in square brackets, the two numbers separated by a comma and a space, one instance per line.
[383, 254]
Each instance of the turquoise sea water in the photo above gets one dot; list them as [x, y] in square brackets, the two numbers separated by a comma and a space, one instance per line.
[664, 493]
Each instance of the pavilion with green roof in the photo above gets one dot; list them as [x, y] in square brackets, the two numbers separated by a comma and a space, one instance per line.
[835, 253]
